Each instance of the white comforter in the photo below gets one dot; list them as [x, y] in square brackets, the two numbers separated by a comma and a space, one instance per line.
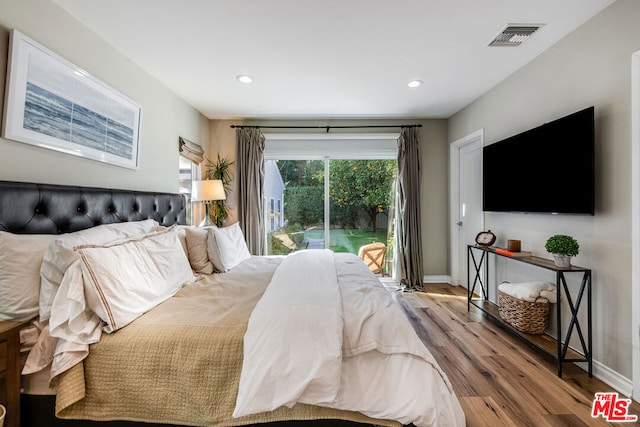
[326, 332]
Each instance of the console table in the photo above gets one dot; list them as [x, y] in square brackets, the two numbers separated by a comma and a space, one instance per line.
[556, 348]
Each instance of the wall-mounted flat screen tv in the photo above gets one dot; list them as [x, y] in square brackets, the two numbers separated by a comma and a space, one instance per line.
[548, 169]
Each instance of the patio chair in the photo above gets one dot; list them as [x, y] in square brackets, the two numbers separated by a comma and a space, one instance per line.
[373, 256]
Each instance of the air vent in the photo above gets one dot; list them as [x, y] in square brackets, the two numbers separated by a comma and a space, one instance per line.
[514, 35]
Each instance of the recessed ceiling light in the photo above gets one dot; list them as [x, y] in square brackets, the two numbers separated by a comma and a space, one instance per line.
[244, 78]
[415, 83]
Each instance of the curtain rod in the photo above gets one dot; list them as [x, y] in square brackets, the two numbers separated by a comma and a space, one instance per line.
[324, 127]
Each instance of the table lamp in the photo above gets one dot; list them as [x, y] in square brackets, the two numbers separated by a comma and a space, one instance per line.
[207, 191]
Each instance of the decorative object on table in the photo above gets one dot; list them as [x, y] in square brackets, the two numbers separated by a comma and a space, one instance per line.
[485, 238]
[519, 254]
[513, 245]
[207, 191]
[525, 306]
[219, 170]
[562, 247]
[54, 104]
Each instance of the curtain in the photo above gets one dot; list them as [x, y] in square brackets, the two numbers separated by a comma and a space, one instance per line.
[408, 232]
[190, 150]
[250, 174]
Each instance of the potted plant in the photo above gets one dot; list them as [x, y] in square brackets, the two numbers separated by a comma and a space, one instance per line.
[562, 247]
[220, 169]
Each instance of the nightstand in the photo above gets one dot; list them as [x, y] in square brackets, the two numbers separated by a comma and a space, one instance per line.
[10, 370]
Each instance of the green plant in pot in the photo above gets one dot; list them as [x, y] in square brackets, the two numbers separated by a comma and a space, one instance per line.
[220, 169]
[562, 247]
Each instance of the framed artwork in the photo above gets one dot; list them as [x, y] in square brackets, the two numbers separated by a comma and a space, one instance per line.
[51, 103]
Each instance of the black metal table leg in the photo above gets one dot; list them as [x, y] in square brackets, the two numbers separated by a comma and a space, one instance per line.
[559, 322]
[477, 277]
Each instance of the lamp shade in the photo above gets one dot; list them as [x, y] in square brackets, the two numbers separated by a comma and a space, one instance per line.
[207, 190]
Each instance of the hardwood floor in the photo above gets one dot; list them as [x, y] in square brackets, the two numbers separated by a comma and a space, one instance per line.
[499, 379]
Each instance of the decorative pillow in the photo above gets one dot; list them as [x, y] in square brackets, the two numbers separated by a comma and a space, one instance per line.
[60, 255]
[182, 237]
[20, 260]
[226, 247]
[182, 234]
[197, 250]
[213, 252]
[125, 279]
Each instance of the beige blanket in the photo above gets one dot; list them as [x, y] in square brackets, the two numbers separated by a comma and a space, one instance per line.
[181, 362]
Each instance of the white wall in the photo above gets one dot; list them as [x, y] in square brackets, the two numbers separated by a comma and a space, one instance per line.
[164, 115]
[591, 66]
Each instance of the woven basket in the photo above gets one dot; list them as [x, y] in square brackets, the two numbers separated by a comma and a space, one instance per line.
[525, 316]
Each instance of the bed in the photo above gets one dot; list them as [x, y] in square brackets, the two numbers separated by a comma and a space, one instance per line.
[219, 349]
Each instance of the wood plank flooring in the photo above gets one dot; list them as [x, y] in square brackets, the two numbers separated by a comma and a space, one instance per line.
[499, 379]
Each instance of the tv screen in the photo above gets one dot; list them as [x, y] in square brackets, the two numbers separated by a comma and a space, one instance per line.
[548, 169]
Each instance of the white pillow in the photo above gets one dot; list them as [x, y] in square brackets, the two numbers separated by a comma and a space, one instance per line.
[125, 279]
[20, 260]
[197, 249]
[60, 255]
[182, 234]
[226, 247]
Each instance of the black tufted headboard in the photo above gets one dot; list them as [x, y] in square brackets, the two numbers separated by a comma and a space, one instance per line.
[27, 208]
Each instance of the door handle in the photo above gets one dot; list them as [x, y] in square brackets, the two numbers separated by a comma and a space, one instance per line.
[459, 223]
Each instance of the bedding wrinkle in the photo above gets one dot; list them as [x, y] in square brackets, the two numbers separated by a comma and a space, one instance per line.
[380, 349]
[71, 326]
[86, 266]
[293, 343]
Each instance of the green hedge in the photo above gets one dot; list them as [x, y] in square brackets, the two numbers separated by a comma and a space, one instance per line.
[304, 205]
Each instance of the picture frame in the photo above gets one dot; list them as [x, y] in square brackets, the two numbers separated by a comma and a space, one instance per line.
[54, 104]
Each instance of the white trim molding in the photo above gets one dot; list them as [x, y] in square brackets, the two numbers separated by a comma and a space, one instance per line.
[437, 279]
[454, 198]
[635, 222]
[620, 383]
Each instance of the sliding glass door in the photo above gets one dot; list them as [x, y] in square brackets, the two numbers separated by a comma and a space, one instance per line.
[350, 209]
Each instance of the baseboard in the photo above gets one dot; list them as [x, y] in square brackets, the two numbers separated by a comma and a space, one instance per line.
[610, 377]
[437, 279]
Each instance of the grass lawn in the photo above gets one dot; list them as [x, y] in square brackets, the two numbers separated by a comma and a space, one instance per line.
[349, 240]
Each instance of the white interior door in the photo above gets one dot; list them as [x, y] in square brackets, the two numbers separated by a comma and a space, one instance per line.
[466, 201]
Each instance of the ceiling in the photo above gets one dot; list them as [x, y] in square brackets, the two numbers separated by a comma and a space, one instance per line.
[328, 59]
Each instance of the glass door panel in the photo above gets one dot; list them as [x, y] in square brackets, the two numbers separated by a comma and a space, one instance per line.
[294, 205]
[360, 193]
